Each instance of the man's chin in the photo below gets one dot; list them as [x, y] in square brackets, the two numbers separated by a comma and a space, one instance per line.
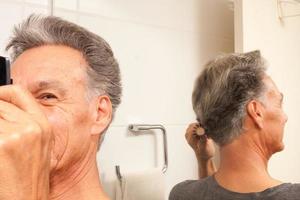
[279, 147]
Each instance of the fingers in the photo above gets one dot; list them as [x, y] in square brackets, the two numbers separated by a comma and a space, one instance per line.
[6, 128]
[18, 104]
[20, 97]
[195, 133]
[200, 143]
[197, 129]
[11, 113]
[190, 130]
[203, 139]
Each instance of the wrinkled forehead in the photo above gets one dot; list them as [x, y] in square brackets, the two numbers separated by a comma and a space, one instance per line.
[49, 63]
[271, 88]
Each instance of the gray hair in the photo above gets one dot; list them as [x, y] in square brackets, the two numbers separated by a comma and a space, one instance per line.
[103, 73]
[222, 92]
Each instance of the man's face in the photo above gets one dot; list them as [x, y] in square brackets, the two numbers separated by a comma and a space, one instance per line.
[56, 77]
[275, 118]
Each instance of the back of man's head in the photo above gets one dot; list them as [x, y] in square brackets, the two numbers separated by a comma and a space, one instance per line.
[222, 92]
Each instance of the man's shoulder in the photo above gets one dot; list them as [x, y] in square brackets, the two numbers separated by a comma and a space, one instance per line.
[187, 189]
[293, 188]
[192, 184]
[285, 191]
[193, 189]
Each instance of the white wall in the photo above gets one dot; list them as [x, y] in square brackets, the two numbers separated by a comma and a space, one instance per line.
[161, 46]
[12, 12]
[260, 28]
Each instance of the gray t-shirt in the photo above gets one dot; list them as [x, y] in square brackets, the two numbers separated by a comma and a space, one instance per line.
[209, 189]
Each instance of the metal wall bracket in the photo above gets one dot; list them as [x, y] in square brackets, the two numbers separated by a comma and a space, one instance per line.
[145, 127]
[137, 128]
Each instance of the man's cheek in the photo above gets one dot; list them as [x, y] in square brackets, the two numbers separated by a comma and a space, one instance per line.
[60, 133]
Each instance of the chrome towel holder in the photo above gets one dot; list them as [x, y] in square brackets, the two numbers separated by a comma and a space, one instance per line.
[140, 128]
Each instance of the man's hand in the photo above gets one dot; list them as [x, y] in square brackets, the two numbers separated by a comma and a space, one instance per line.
[203, 147]
[25, 145]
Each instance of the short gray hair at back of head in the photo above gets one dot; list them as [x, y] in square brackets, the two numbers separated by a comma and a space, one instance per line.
[103, 73]
[222, 91]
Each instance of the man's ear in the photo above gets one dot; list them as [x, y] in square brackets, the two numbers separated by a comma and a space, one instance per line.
[103, 115]
[255, 111]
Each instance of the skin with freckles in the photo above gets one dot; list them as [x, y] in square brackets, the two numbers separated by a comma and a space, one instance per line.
[55, 79]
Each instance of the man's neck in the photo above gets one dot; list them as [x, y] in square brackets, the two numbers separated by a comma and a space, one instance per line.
[243, 166]
[83, 182]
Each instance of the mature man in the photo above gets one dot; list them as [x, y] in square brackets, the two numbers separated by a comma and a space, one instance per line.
[66, 89]
[240, 108]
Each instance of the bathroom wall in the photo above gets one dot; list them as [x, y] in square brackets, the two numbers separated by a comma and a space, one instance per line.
[259, 27]
[161, 46]
[12, 12]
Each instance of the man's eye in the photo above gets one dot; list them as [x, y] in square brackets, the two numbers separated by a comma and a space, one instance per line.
[48, 97]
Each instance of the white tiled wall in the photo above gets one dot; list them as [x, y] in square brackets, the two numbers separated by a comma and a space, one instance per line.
[13, 11]
[161, 46]
[279, 44]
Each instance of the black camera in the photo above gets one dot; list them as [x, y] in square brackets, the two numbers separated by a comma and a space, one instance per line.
[5, 71]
